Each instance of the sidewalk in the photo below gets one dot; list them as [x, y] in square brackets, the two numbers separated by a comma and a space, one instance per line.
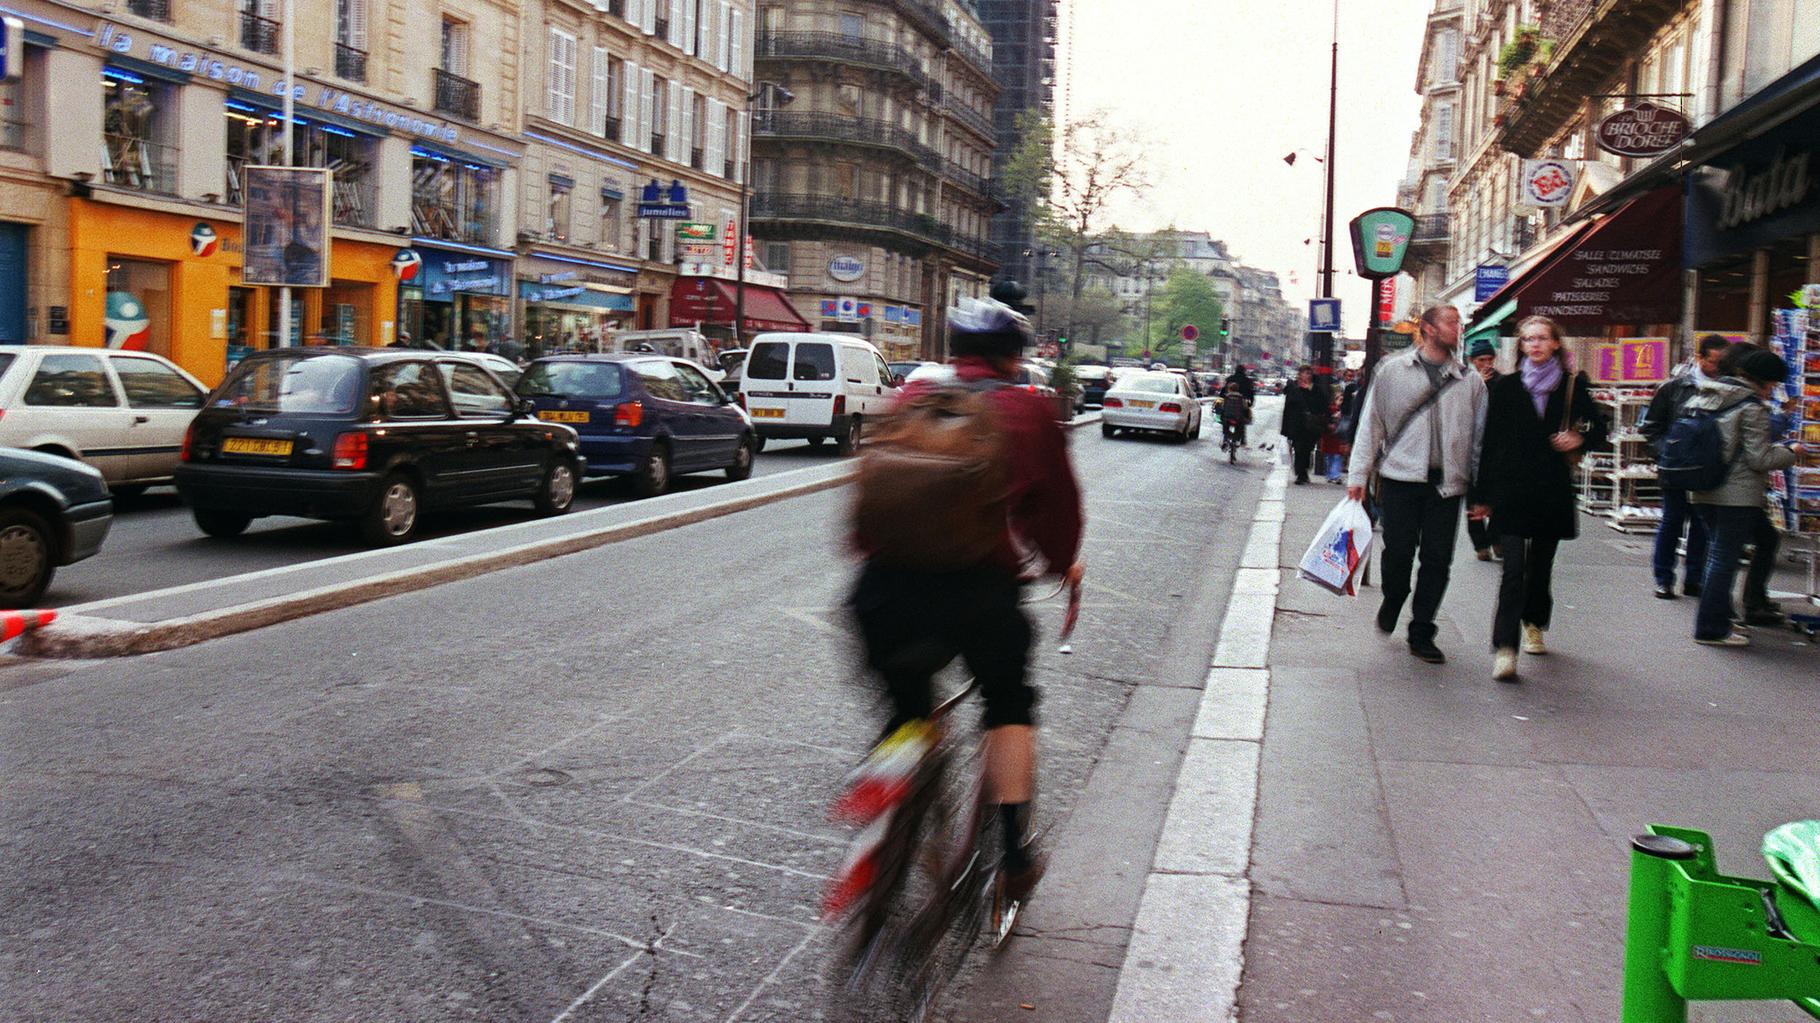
[1431, 845]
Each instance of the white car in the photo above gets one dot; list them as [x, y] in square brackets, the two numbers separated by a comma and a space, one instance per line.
[503, 368]
[1156, 402]
[122, 412]
[814, 386]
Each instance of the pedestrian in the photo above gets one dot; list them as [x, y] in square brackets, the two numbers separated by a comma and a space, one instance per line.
[1332, 447]
[1538, 421]
[1484, 358]
[1419, 435]
[1664, 407]
[1734, 510]
[1304, 420]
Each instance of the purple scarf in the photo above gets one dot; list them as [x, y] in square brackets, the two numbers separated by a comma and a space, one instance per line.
[1541, 381]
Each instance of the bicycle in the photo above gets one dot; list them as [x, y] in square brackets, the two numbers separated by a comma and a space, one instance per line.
[922, 878]
[1232, 440]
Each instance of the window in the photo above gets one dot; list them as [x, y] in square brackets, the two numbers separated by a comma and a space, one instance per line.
[455, 46]
[1444, 132]
[660, 380]
[556, 224]
[769, 361]
[612, 214]
[71, 381]
[408, 390]
[592, 381]
[698, 132]
[700, 391]
[613, 126]
[777, 257]
[138, 305]
[852, 25]
[813, 362]
[561, 103]
[294, 383]
[149, 383]
[729, 144]
[452, 199]
[135, 126]
[476, 395]
[770, 19]
[658, 111]
[259, 31]
[846, 180]
[254, 137]
[351, 39]
[847, 100]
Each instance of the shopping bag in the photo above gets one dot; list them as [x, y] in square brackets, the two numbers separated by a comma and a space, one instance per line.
[1333, 560]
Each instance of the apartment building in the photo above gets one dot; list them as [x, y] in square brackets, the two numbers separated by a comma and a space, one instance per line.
[1024, 38]
[871, 154]
[1433, 155]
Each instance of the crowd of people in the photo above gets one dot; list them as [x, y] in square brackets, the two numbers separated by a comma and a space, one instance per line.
[1433, 433]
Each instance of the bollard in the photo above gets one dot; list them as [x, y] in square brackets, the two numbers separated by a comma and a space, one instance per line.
[1648, 995]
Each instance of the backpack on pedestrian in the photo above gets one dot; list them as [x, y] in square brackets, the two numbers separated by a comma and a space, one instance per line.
[934, 482]
[1693, 455]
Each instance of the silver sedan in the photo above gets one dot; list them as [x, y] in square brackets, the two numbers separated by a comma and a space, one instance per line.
[1156, 402]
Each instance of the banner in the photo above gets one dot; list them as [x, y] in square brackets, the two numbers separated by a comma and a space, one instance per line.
[287, 226]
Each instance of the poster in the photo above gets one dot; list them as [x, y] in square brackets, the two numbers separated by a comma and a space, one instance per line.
[1644, 360]
[287, 226]
[1606, 363]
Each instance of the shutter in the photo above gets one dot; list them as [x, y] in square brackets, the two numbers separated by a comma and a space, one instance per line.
[689, 29]
[650, 17]
[739, 150]
[720, 36]
[647, 107]
[716, 142]
[668, 240]
[640, 232]
[704, 47]
[628, 108]
[675, 36]
[354, 32]
[597, 92]
[687, 149]
[678, 151]
[736, 32]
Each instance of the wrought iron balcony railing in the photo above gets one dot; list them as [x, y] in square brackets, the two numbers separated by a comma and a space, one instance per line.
[261, 35]
[867, 213]
[350, 63]
[842, 47]
[457, 95]
[159, 10]
[838, 128]
[1431, 227]
[970, 117]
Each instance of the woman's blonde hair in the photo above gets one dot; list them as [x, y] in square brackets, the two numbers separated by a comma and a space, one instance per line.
[1554, 331]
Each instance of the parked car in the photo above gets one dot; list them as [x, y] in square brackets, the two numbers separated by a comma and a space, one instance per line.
[372, 436]
[122, 412]
[901, 371]
[53, 511]
[644, 416]
[731, 363]
[1154, 402]
[1095, 381]
[675, 342]
[814, 386]
[505, 369]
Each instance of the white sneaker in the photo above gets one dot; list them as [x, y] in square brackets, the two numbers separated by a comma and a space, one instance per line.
[1733, 639]
[1504, 668]
[1532, 640]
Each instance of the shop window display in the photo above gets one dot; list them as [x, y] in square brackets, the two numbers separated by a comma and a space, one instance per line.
[253, 137]
[138, 313]
[452, 199]
[135, 130]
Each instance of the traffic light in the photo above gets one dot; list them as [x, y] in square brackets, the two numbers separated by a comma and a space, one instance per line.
[1225, 326]
[1061, 345]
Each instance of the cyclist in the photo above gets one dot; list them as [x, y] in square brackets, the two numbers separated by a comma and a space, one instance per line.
[912, 621]
[1235, 413]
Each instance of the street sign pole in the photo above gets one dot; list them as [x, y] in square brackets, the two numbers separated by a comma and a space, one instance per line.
[290, 148]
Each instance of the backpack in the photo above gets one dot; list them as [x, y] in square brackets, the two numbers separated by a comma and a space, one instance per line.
[1693, 455]
[933, 487]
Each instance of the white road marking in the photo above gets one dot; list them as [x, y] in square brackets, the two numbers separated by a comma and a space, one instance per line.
[588, 995]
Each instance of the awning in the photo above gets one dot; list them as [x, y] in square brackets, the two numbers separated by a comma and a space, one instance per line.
[1488, 326]
[1622, 270]
[713, 300]
[578, 296]
[1524, 274]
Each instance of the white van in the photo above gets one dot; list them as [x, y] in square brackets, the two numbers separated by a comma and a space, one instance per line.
[814, 386]
[677, 343]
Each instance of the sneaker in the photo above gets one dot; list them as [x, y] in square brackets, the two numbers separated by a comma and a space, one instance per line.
[1020, 883]
[1483, 553]
[1666, 591]
[1504, 666]
[1764, 616]
[1532, 640]
[1426, 650]
[1731, 639]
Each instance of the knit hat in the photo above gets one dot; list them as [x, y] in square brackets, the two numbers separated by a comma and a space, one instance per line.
[1482, 346]
[1764, 366]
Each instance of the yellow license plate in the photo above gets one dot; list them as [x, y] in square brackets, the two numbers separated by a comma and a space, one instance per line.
[767, 413]
[559, 416]
[1143, 404]
[255, 446]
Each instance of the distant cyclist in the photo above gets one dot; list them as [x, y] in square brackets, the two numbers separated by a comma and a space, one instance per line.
[1235, 412]
[945, 561]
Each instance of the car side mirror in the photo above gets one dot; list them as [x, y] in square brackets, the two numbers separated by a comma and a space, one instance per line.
[525, 407]
[897, 380]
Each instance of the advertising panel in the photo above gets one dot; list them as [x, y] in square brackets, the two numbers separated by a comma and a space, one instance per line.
[287, 226]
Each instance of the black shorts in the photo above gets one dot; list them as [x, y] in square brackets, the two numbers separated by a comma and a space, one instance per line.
[914, 623]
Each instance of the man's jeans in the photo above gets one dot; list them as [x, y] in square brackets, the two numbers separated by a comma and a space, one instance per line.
[1729, 528]
[1416, 516]
[1675, 511]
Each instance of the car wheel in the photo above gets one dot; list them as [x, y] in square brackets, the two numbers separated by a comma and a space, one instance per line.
[129, 491]
[1108, 430]
[558, 490]
[758, 444]
[845, 443]
[27, 558]
[393, 517]
[221, 524]
[742, 460]
[653, 476]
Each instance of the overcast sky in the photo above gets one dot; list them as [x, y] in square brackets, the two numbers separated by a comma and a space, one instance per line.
[1222, 90]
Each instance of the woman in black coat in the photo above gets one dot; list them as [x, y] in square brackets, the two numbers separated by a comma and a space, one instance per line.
[1304, 420]
[1526, 481]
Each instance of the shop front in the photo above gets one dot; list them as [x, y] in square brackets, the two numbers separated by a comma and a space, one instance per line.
[712, 302]
[458, 299]
[571, 304]
[170, 283]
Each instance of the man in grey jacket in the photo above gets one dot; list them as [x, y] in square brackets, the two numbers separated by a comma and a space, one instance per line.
[1420, 429]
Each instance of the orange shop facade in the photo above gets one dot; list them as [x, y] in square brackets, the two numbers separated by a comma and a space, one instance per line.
[168, 281]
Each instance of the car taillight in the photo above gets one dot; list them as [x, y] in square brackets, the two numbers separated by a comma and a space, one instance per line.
[840, 404]
[1112, 403]
[629, 414]
[1170, 406]
[739, 398]
[350, 451]
[189, 439]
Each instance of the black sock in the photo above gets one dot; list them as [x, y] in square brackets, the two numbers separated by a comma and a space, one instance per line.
[1011, 816]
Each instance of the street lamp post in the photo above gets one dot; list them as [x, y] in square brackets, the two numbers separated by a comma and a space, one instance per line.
[778, 97]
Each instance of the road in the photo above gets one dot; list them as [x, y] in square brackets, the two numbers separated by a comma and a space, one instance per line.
[155, 542]
[587, 789]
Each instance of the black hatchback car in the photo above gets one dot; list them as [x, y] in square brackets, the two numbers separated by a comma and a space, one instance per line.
[53, 511]
[372, 436]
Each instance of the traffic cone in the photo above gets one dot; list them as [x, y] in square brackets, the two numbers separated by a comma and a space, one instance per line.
[15, 623]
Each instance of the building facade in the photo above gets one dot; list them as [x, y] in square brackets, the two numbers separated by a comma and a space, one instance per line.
[1433, 154]
[1024, 37]
[871, 155]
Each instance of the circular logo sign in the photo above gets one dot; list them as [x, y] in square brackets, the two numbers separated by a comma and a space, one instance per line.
[1190, 332]
[1643, 130]
[204, 241]
[407, 264]
[127, 324]
[846, 268]
[1547, 182]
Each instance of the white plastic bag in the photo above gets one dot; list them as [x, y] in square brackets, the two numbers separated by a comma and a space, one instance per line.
[1334, 558]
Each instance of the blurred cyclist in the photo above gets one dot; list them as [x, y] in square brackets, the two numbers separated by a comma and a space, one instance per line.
[1235, 411]
[914, 618]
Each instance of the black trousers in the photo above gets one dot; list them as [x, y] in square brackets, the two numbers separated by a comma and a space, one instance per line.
[1416, 517]
[1479, 532]
[1524, 597]
[1762, 561]
[1304, 456]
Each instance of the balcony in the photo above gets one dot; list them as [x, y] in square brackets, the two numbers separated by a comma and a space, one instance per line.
[157, 10]
[350, 63]
[865, 213]
[973, 55]
[844, 48]
[139, 164]
[867, 131]
[927, 16]
[457, 95]
[1430, 228]
[261, 35]
[1593, 40]
[966, 178]
[980, 123]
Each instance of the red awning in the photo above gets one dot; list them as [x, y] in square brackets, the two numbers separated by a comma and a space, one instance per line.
[696, 300]
[1622, 270]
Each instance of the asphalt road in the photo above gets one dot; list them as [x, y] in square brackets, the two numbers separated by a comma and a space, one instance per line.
[593, 788]
[155, 543]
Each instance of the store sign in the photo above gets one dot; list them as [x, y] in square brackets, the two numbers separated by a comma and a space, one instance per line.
[1762, 192]
[1380, 237]
[1631, 361]
[406, 265]
[1488, 280]
[846, 268]
[204, 241]
[1387, 299]
[656, 202]
[1627, 270]
[1547, 183]
[693, 231]
[1643, 130]
[446, 276]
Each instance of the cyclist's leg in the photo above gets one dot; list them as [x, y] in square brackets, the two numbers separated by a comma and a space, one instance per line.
[994, 637]
[891, 609]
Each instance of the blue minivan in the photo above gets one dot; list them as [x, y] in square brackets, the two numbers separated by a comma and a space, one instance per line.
[650, 417]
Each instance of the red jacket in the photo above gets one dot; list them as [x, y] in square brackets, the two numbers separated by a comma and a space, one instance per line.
[1045, 506]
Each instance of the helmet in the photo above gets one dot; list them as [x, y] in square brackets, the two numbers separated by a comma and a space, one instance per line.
[1159, 365]
[988, 327]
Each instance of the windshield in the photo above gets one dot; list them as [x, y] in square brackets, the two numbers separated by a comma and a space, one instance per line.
[596, 381]
[319, 384]
[1157, 384]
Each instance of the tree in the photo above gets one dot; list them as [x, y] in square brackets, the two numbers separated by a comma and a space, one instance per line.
[1187, 297]
[1092, 317]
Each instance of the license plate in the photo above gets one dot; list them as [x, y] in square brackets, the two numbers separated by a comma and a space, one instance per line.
[559, 416]
[1143, 404]
[255, 446]
[767, 413]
